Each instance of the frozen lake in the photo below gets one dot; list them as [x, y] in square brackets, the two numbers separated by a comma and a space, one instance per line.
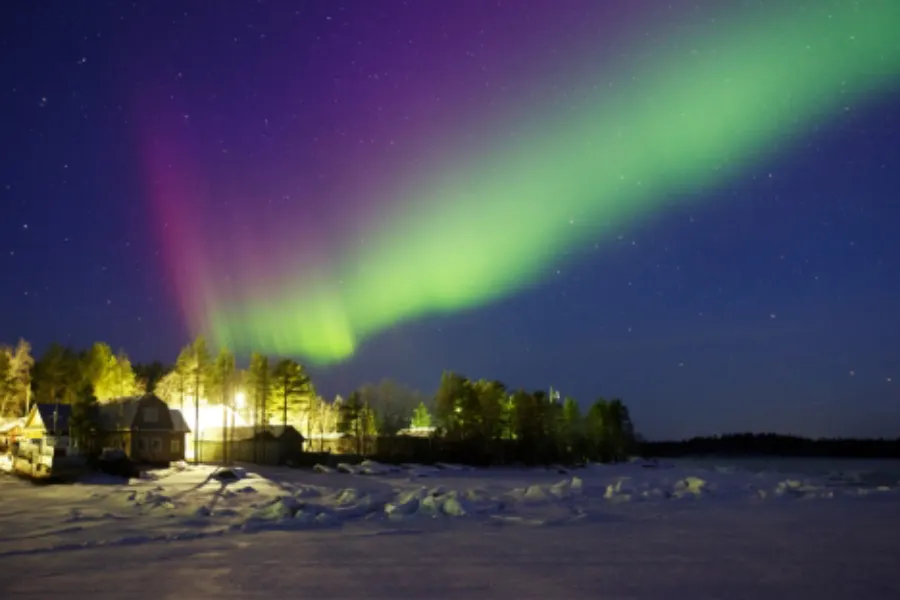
[700, 529]
[852, 471]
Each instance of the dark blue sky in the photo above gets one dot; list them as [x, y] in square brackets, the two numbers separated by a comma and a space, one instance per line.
[770, 304]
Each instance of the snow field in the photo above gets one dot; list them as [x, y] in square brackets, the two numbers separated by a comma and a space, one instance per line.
[374, 531]
[189, 502]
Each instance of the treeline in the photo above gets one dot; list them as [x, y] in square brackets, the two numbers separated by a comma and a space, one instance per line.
[477, 421]
[771, 444]
[483, 422]
[62, 375]
[491, 420]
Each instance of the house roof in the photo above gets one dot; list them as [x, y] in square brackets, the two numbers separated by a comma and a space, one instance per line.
[10, 425]
[278, 430]
[238, 434]
[54, 414]
[179, 425]
[118, 414]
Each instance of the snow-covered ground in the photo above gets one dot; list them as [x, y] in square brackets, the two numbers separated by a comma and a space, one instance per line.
[699, 530]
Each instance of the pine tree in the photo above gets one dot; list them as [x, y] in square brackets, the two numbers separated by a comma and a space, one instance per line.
[456, 406]
[294, 389]
[57, 375]
[572, 430]
[421, 418]
[148, 375]
[126, 382]
[183, 372]
[221, 386]
[356, 418]
[261, 388]
[5, 396]
[19, 379]
[196, 362]
[597, 430]
[83, 423]
[110, 375]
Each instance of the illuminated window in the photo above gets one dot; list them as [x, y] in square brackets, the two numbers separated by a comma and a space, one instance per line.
[175, 446]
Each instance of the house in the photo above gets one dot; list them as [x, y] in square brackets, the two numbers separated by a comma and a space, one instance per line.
[273, 445]
[289, 440]
[44, 450]
[9, 432]
[144, 428]
[48, 420]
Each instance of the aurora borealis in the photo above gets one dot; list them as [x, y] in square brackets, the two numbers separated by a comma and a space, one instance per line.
[567, 177]
[535, 188]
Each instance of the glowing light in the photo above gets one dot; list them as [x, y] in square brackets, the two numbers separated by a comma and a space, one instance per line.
[240, 400]
[212, 418]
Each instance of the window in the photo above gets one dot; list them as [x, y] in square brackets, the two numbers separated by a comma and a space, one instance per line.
[142, 444]
[151, 415]
[155, 445]
[175, 446]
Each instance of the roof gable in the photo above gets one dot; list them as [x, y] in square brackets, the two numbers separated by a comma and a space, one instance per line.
[118, 415]
[53, 418]
[179, 425]
[33, 419]
[13, 425]
[278, 431]
[137, 412]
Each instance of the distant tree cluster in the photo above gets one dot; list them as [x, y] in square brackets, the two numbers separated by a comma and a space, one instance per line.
[379, 410]
[772, 444]
[534, 426]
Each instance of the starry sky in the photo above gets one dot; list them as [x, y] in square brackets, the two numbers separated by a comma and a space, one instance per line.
[688, 205]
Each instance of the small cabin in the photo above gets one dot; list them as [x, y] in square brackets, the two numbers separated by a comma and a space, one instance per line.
[144, 428]
[44, 450]
[9, 432]
[48, 421]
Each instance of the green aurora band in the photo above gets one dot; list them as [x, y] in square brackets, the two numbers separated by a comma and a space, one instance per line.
[686, 115]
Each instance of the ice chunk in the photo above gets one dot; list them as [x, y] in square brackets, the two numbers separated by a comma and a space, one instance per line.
[620, 491]
[689, 486]
[370, 467]
[284, 507]
[795, 488]
[567, 488]
[453, 507]
[406, 503]
[349, 496]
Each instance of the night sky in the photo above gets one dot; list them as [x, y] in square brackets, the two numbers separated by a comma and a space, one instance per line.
[688, 205]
